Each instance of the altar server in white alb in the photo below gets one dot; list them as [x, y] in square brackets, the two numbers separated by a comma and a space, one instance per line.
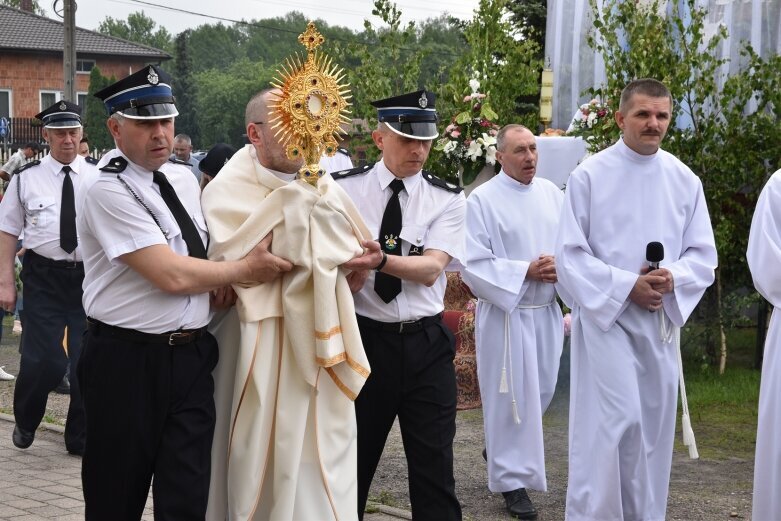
[624, 367]
[511, 224]
[764, 257]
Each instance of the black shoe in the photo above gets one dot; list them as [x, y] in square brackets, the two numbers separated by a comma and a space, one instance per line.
[64, 387]
[519, 505]
[22, 438]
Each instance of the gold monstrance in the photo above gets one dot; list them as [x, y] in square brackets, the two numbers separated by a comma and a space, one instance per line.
[312, 107]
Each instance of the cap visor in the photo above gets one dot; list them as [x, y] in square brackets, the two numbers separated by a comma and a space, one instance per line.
[154, 111]
[423, 130]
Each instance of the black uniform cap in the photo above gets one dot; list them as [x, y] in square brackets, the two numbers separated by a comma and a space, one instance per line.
[411, 115]
[62, 114]
[145, 94]
[216, 158]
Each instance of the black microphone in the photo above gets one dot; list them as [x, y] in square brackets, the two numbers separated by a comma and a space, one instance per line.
[654, 253]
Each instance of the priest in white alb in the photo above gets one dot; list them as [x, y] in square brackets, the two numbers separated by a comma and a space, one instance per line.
[626, 314]
[291, 358]
[511, 224]
[764, 259]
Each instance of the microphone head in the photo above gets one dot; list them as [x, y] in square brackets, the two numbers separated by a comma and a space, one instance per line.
[654, 252]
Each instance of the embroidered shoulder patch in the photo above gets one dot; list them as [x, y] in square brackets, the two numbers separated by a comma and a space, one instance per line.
[354, 171]
[91, 160]
[26, 166]
[115, 166]
[439, 183]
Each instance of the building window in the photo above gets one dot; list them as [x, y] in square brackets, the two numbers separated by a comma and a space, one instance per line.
[84, 66]
[5, 103]
[81, 99]
[49, 98]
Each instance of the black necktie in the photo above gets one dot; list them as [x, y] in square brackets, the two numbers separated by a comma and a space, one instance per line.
[190, 235]
[68, 239]
[388, 286]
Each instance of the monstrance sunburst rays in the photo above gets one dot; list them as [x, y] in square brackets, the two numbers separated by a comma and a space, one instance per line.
[309, 113]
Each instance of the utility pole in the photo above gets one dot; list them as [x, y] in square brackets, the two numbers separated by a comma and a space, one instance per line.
[69, 51]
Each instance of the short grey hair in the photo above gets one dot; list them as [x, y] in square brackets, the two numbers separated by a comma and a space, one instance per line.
[119, 118]
[500, 137]
[184, 138]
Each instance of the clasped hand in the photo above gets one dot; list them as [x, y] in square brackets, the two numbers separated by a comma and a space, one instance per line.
[650, 287]
[543, 269]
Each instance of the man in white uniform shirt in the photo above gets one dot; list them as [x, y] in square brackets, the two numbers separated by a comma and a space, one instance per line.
[511, 225]
[419, 220]
[146, 369]
[41, 202]
[764, 245]
[19, 159]
[624, 370]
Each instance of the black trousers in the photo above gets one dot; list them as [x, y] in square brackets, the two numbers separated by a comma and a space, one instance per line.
[413, 378]
[52, 300]
[150, 412]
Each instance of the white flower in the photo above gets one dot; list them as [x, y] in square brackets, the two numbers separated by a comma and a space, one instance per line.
[474, 85]
[490, 155]
[592, 117]
[488, 140]
[475, 150]
[450, 146]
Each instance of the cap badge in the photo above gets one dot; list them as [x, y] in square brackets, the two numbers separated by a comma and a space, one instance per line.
[152, 77]
[63, 106]
[423, 101]
[391, 242]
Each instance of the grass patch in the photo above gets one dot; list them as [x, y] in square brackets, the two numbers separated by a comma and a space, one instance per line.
[724, 412]
[383, 498]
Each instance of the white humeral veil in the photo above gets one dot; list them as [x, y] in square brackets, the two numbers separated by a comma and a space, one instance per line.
[291, 357]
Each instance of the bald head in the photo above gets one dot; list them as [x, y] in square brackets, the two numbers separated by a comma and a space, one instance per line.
[270, 152]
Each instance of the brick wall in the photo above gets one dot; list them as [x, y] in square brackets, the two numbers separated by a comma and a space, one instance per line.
[26, 74]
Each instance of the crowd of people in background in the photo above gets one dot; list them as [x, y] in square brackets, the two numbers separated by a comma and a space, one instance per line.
[249, 341]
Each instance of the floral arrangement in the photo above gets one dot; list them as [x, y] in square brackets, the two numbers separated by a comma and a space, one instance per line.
[595, 123]
[469, 142]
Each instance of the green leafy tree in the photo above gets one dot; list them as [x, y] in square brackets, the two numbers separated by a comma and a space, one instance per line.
[17, 4]
[389, 63]
[215, 46]
[138, 28]
[95, 112]
[529, 18]
[221, 98]
[184, 88]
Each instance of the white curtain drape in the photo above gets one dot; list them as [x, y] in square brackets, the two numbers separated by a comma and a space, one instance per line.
[576, 67]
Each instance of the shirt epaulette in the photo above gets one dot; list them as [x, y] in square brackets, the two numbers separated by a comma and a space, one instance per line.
[179, 162]
[91, 160]
[115, 166]
[439, 183]
[26, 166]
[353, 171]
[343, 151]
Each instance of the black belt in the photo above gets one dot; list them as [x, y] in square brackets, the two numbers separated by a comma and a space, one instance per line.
[46, 261]
[407, 326]
[172, 338]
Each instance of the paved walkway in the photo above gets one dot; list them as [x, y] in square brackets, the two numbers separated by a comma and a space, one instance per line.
[43, 483]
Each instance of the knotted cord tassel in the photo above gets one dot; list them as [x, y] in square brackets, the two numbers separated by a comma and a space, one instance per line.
[688, 436]
[503, 382]
[516, 418]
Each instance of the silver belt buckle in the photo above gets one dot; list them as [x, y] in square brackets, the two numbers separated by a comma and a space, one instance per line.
[401, 324]
[176, 334]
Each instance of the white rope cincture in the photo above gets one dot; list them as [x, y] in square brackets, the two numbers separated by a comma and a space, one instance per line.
[667, 334]
[503, 381]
